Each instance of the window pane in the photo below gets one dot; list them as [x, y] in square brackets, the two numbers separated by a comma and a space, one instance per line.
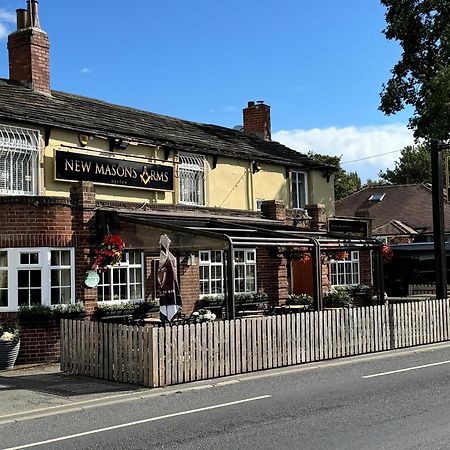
[35, 297]
[3, 297]
[35, 278]
[55, 258]
[239, 256]
[22, 297]
[55, 296]
[3, 279]
[24, 258]
[22, 278]
[34, 258]
[3, 259]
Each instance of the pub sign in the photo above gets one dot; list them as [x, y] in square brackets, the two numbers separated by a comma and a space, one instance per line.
[70, 166]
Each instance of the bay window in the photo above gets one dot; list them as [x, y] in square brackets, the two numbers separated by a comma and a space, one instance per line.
[36, 276]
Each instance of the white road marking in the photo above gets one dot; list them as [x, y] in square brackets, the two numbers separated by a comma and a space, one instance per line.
[406, 370]
[138, 422]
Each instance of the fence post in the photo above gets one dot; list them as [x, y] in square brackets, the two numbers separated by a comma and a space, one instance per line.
[392, 328]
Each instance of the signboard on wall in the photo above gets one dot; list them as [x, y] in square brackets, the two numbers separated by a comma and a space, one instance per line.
[71, 166]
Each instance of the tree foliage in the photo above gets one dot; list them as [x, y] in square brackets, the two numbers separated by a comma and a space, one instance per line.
[421, 77]
[413, 166]
[344, 183]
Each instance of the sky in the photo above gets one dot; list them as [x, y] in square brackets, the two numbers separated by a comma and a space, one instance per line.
[319, 64]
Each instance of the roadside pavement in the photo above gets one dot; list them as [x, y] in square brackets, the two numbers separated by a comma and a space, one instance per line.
[44, 387]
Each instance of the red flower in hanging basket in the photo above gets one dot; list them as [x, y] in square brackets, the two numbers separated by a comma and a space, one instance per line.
[339, 255]
[387, 253]
[109, 252]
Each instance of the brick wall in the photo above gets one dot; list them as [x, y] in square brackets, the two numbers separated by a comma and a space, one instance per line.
[39, 343]
[272, 275]
[189, 285]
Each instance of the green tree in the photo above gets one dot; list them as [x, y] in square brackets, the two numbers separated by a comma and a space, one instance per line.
[413, 166]
[421, 77]
[344, 183]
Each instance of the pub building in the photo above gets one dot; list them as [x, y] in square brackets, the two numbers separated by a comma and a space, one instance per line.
[241, 211]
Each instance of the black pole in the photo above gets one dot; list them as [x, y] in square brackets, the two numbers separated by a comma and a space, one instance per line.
[438, 220]
[230, 304]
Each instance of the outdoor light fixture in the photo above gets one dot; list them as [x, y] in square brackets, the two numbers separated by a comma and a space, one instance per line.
[256, 166]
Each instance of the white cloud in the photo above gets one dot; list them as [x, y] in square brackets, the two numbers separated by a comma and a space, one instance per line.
[85, 70]
[229, 108]
[375, 147]
[5, 17]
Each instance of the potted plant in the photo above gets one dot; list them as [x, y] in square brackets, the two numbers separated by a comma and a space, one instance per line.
[109, 252]
[203, 315]
[9, 345]
[115, 309]
[210, 301]
[70, 311]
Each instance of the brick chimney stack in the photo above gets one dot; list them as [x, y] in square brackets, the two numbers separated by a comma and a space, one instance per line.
[257, 120]
[28, 48]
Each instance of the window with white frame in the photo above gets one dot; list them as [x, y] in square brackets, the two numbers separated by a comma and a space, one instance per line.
[244, 271]
[211, 272]
[19, 161]
[191, 172]
[345, 272]
[36, 276]
[123, 282]
[299, 190]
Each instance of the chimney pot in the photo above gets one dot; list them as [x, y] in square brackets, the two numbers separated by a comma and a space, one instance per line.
[22, 18]
[260, 102]
[250, 104]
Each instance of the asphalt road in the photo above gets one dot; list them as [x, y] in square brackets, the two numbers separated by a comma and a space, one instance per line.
[394, 401]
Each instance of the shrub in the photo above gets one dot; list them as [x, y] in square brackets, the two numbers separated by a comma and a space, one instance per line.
[35, 312]
[299, 299]
[337, 297]
[203, 315]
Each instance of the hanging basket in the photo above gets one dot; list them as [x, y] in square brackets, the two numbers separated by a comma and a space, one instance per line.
[8, 354]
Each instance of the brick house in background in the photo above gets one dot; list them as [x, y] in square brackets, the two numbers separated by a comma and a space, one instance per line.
[236, 205]
[401, 216]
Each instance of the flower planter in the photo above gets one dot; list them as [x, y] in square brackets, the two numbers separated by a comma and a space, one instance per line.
[8, 354]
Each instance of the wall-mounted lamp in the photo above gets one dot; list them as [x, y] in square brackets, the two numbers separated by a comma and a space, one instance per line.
[256, 166]
[120, 143]
[83, 139]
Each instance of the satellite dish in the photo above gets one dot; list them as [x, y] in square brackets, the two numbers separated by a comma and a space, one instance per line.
[238, 128]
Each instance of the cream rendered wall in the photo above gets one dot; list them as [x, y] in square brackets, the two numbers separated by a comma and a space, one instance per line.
[66, 140]
[227, 184]
[321, 191]
[270, 183]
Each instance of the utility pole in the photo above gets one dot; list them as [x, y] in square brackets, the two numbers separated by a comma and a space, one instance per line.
[438, 219]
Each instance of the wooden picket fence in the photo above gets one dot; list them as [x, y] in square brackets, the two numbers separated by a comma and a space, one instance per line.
[161, 356]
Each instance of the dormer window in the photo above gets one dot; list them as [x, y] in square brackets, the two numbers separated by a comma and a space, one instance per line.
[191, 171]
[19, 158]
[298, 190]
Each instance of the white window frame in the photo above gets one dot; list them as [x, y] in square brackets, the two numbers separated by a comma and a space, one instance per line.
[123, 264]
[205, 261]
[191, 179]
[44, 265]
[341, 271]
[19, 160]
[297, 202]
[249, 260]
